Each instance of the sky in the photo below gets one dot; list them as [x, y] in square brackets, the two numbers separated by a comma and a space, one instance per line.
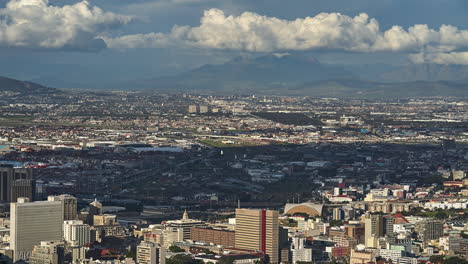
[96, 43]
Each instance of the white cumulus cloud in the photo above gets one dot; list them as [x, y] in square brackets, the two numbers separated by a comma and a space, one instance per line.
[440, 58]
[36, 24]
[326, 31]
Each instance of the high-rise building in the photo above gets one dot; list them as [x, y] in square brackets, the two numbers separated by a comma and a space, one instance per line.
[48, 252]
[23, 188]
[33, 222]
[7, 176]
[388, 222]
[76, 233]
[258, 230]
[150, 253]
[373, 229]
[70, 207]
[429, 230]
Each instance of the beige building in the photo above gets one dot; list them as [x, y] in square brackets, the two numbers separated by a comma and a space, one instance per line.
[258, 230]
[150, 253]
[107, 219]
[33, 222]
[48, 252]
[361, 257]
[373, 230]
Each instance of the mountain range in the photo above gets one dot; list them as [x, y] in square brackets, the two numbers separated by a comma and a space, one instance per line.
[297, 75]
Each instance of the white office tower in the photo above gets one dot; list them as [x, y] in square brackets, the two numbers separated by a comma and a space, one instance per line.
[33, 222]
[150, 253]
[299, 252]
[76, 233]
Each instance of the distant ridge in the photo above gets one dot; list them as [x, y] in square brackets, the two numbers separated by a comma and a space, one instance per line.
[301, 76]
[17, 86]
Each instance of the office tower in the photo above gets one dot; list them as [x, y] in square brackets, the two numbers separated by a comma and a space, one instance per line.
[429, 230]
[192, 109]
[70, 207]
[150, 253]
[203, 109]
[7, 176]
[23, 188]
[373, 229]
[388, 222]
[258, 230]
[48, 252]
[33, 222]
[76, 233]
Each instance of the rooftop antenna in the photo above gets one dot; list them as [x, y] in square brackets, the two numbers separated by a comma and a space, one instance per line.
[238, 204]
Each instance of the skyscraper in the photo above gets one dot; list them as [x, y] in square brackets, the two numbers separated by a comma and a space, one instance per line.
[150, 253]
[258, 230]
[7, 176]
[69, 204]
[33, 222]
[23, 188]
[388, 222]
[373, 229]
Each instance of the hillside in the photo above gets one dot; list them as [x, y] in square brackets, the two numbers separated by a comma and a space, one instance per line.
[23, 87]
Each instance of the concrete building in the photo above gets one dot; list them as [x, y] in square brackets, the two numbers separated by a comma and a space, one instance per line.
[150, 253]
[203, 109]
[95, 208]
[69, 203]
[220, 237]
[373, 229]
[361, 257]
[48, 252]
[185, 225]
[7, 176]
[106, 219]
[23, 188]
[33, 222]
[76, 233]
[299, 252]
[192, 109]
[258, 230]
[429, 230]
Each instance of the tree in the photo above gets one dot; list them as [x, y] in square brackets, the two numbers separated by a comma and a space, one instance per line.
[226, 260]
[182, 259]
[131, 254]
[175, 249]
[335, 223]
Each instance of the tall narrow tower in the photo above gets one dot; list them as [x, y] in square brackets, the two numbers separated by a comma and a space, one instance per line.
[258, 230]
